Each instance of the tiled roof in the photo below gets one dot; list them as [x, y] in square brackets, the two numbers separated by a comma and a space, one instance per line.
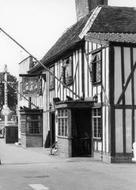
[116, 20]
[67, 40]
[110, 19]
[112, 37]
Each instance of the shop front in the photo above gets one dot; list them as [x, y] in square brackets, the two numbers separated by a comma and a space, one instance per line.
[31, 128]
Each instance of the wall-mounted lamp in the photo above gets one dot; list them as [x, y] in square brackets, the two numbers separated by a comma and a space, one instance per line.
[50, 106]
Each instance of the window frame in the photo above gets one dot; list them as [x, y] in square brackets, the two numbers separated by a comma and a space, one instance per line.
[31, 123]
[97, 123]
[52, 78]
[96, 65]
[62, 118]
[68, 70]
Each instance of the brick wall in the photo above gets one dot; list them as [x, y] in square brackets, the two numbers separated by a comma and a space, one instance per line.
[31, 140]
[64, 147]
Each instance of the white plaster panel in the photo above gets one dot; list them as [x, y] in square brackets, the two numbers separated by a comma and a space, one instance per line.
[127, 67]
[117, 75]
[118, 131]
[134, 61]
[128, 131]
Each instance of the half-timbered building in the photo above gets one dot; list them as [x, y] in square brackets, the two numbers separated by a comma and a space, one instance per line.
[89, 99]
[30, 112]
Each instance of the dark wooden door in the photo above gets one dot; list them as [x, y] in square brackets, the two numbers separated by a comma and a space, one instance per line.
[81, 132]
[11, 134]
[52, 128]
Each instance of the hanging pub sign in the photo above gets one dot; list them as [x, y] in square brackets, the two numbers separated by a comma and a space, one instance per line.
[31, 85]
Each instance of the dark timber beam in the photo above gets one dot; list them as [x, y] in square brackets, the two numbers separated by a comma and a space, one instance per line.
[127, 82]
[111, 108]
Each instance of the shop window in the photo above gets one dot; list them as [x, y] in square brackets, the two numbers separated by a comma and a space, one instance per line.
[68, 71]
[96, 67]
[52, 78]
[33, 124]
[97, 123]
[62, 122]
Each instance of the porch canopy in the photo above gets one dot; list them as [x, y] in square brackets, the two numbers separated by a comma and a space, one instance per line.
[74, 104]
[74, 127]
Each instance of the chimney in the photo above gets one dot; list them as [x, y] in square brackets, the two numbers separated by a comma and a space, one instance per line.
[83, 7]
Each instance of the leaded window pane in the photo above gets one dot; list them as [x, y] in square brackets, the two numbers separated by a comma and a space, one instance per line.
[62, 122]
[96, 67]
[68, 71]
[97, 123]
[52, 78]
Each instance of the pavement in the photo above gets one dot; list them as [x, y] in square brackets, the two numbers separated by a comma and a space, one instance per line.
[22, 167]
[16, 154]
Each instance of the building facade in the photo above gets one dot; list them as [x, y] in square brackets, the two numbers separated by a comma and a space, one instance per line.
[30, 106]
[88, 94]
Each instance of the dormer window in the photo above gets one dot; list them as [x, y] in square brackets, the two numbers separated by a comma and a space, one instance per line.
[96, 67]
[68, 71]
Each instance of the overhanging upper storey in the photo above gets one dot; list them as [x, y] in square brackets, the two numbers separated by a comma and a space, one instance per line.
[111, 37]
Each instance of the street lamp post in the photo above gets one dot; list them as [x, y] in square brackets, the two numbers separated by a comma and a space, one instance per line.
[5, 109]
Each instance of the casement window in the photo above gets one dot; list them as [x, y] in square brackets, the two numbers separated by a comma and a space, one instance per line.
[97, 123]
[68, 71]
[33, 124]
[62, 122]
[52, 78]
[96, 65]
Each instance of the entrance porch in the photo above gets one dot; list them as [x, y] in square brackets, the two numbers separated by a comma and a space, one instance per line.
[74, 128]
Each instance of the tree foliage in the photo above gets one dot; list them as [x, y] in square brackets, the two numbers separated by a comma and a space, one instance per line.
[11, 91]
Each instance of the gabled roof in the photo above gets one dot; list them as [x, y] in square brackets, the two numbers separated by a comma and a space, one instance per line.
[108, 19]
[115, 20]
[67, 40]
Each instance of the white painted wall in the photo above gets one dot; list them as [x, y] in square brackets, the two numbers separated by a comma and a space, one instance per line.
[128, 98]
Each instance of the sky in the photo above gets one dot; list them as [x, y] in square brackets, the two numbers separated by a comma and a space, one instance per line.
[36, 25]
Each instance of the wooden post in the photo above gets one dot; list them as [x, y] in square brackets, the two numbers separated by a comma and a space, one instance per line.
[5, 94]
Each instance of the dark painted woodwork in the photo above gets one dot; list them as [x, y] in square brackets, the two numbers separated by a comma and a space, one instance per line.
[81, 132]
[75, 74]
[111, 99]
[75, 104]
[83, 73]
[132, 92]
[121, 44]
[123, 99]
[124, 87]
[125, 106]
[52, 128]
[88, 69]
[102, 62]
[101, 95]
[77, 65]
[97, 50]
[78, 74]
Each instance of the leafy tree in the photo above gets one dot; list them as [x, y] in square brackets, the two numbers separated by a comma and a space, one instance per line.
[11, 91]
